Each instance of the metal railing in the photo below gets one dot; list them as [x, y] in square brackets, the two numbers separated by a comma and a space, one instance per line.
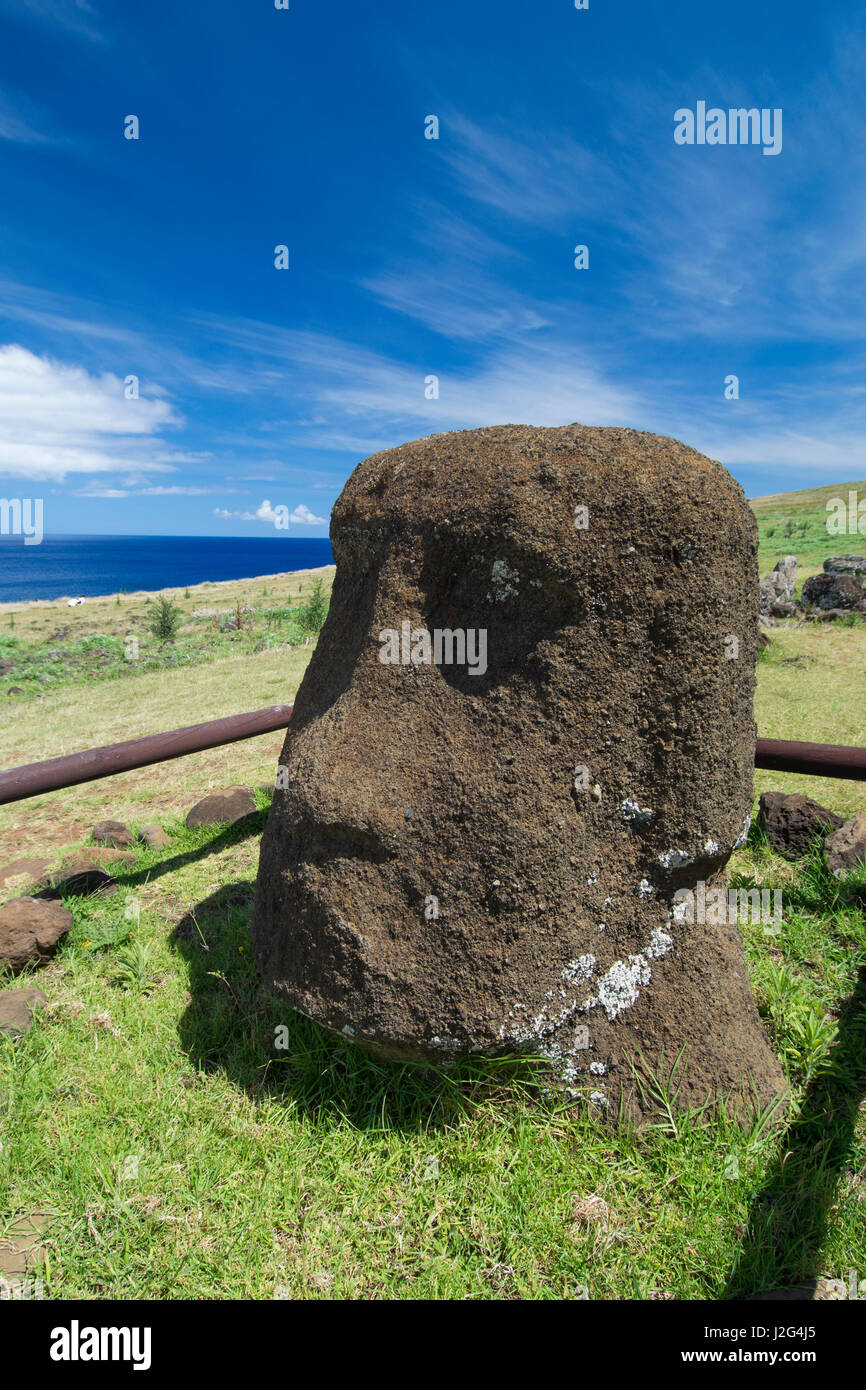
[35, 779]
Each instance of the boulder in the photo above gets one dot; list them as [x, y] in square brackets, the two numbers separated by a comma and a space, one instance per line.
[845, 849]
[792, 821]
[784, 609]
[30, 928]
[222, 808]
[768, 593]
[786, 569]
[155, 837]
[778, 586]
[525, 737]
[833, 591]
[113, 833]
[16, 1009]
[845, 564]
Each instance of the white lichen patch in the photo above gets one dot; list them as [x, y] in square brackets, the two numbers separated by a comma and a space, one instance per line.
[579, 971]
[635, 814]
[710, 847]
[744, 833]
[598, 1098]
[562, 1004]
[619, 988]
[660, 943]
[598, 1068]
[645, 888]
[504, 582]
[675, 859]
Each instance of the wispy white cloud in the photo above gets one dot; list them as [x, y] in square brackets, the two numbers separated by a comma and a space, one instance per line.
[58, 419]
[78, 16]
[18, 122]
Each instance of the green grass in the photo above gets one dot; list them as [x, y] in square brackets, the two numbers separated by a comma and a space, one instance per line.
[124, 644]
[185, 1155]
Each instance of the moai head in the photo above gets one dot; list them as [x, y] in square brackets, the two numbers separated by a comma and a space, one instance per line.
[523, 743]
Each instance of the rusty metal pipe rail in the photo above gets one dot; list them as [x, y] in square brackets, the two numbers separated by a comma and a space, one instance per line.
[812, 759]
[35, 779]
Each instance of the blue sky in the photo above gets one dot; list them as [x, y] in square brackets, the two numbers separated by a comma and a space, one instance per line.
[411, 257]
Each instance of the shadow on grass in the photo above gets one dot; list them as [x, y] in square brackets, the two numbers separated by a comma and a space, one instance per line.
[787, 1227]
[259, 1043]
[104, 882]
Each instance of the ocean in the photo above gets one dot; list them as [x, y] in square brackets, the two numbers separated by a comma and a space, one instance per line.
[68, 566]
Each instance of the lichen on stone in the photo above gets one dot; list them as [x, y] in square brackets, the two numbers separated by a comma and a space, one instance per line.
[504, 581]
[635, 814]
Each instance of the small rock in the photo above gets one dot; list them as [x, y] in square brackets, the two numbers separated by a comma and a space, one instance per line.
[155, 837]
[16, 1006]
[15, 690]
[222, 808]
[114, 833]
[830, 615]
[30, 928]
[784, 609]
[792, 822]
[846, 847]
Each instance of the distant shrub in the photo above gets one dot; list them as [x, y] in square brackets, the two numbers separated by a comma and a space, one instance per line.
[164, 618]
[313, 613]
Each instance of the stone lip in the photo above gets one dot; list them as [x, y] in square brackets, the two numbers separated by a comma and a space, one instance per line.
[434, 880]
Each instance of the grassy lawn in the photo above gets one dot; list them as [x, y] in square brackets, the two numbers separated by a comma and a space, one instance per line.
[188, 1138]
[182, 1153]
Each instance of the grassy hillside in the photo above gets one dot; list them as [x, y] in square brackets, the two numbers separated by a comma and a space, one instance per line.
[795, 523]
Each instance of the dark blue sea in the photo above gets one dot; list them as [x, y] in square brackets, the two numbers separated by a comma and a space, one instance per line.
[66, 566]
